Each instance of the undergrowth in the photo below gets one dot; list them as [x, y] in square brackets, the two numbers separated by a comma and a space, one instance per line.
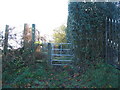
[101, 75]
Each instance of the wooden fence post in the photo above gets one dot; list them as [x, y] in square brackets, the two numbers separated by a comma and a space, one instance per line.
[24, 44]
[33, 40]
[49, 53]
[5, 41]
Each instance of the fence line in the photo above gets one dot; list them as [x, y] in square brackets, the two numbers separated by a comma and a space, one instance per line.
[112, 42]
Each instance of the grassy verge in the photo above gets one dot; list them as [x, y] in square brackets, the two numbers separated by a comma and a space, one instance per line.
[99, 76]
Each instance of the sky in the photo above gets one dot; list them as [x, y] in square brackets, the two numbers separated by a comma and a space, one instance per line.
[46, 14]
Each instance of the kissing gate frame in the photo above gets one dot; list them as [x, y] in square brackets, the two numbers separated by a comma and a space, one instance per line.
[58, 55]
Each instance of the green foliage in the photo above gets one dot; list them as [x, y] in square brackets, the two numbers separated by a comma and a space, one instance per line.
[100, 75]
[103, 75]
[59, 35]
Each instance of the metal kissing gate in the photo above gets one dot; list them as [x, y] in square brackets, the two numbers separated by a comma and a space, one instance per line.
[60, 53]
[113, 42]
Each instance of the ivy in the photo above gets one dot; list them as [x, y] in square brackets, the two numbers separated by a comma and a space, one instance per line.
[86, 26]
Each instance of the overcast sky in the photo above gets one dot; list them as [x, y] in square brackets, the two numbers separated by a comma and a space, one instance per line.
[46, 14]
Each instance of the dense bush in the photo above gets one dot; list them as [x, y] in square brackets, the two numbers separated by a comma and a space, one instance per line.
[100, 75]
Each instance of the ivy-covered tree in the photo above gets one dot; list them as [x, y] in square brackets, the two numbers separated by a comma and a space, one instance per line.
[86, 27]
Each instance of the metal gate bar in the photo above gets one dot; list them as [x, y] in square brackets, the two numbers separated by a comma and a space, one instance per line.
[59, 53]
